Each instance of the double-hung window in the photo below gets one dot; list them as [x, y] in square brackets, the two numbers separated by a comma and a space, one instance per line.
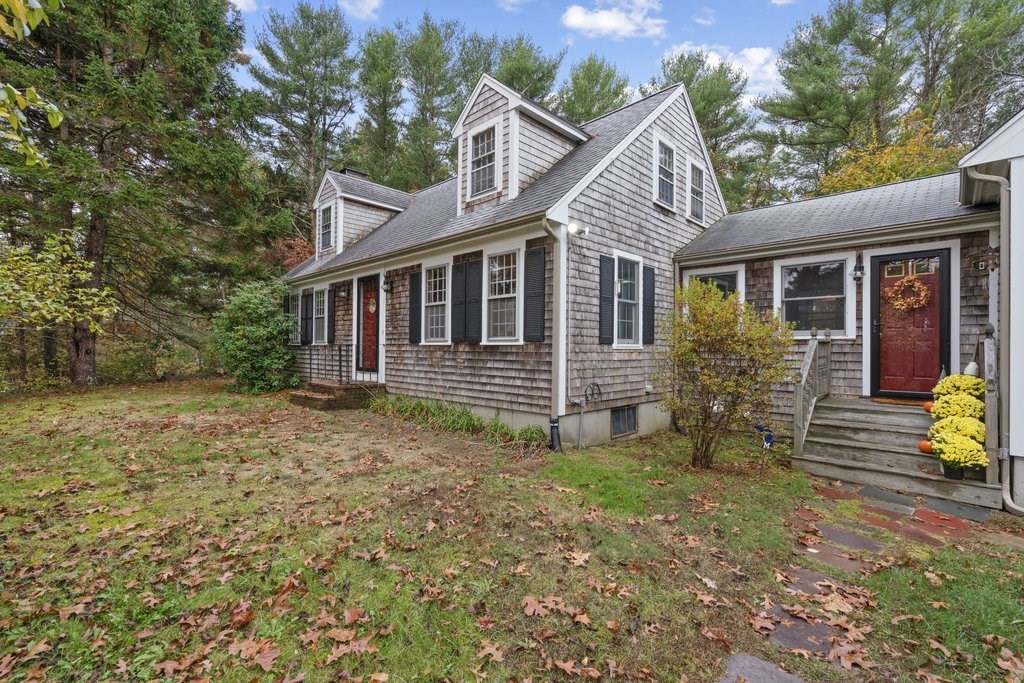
[295, 333]
[696, 192]
[728, 279]
[326, 228]
[502, 296]
[814, 294]
[627, 301]
[320, 316]
[665, 192]
[435, 304]
[483, 161]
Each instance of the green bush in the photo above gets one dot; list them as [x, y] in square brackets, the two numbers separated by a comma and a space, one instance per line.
[249, 336]
[145, 360]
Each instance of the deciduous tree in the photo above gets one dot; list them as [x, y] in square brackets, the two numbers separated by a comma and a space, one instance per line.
[722, 359]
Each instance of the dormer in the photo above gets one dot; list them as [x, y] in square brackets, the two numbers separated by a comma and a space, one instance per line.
[348, 207]
[505, 142]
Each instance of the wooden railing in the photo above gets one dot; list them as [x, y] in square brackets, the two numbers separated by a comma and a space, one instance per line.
[988, 369]
[813, 384]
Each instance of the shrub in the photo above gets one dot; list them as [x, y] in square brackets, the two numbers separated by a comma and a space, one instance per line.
[970, 427]
[249, 336]
[960, 384]
[959, 451]
[722, 360]
[958, 405]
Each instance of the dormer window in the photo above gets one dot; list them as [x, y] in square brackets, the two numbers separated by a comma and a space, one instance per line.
[326, 228]
[483, 165]
[665, 176]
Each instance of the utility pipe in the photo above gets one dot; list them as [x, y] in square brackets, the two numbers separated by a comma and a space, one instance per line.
[559, 299]
[1004, 331]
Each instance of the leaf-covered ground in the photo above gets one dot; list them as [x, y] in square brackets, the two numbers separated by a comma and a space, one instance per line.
[179, 532]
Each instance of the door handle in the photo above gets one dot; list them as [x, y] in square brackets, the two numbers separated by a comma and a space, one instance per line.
[876, 326]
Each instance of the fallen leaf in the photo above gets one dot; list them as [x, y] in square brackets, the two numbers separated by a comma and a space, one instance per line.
[492, 650]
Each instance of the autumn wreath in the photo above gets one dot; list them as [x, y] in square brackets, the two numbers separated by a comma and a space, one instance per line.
[908, 294]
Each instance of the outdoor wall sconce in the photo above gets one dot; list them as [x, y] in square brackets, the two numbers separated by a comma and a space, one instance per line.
[858, 271]
[386, 287]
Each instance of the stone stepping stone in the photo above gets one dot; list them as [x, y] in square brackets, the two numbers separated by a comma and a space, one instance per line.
[948, 507]
[884, 507]
[834, 557]
[888, 496]
[809, 515]
[880, 522]
[793, 633]
[939, 519]
[834, 494]
[755, 670]
[850, 539]
[914, 534]
[1008, 540]
[805, 580]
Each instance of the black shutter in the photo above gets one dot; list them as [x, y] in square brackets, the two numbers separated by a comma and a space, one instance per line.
[415, 307]
[331, 313]
[533, 289]
[606, 320]
[648, 308]
[286, 300]
[307, 318]
[474, 286]
[459, 302]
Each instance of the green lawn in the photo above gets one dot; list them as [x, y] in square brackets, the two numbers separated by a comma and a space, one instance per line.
[178, 531]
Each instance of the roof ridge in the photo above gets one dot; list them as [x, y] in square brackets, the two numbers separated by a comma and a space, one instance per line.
[630, 104]
[805, 200]
[367, 181]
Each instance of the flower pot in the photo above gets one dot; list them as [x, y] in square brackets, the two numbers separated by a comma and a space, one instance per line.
[952, 472]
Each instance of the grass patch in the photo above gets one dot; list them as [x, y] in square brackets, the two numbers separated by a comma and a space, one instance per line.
[178, 531]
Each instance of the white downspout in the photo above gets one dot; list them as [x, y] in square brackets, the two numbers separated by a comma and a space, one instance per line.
[559, 317]
[1004, 333]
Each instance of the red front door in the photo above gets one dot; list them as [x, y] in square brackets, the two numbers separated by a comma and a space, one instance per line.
[369, 319]
[910, 322]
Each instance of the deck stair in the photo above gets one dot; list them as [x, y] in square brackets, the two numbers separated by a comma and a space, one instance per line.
[330, 396]
[866, 442]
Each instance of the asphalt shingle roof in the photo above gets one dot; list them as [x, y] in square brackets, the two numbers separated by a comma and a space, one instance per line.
[358, 187]
[432, 214]
[910, 201]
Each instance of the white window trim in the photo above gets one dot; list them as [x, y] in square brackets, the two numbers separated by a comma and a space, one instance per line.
[954, 300]
[518, 246]
[323, 341]
[494, 123]
[319, 226]
[296, 312]
[658, 141]
[850, 290]
[690, 164]
[739, 268]
[616, 344]
[447, 341]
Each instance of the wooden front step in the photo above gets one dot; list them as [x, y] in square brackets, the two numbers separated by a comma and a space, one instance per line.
[864, 442]
[325, 396]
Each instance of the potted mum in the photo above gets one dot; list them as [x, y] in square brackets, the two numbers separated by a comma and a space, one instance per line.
[957, 438]
[958, 453]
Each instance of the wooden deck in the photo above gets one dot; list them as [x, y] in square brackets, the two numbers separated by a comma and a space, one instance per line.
[864, 442]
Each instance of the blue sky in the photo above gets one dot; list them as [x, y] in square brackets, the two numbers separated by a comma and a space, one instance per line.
[633, 34]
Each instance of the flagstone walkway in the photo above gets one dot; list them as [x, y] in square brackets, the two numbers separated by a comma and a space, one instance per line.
[827, 628]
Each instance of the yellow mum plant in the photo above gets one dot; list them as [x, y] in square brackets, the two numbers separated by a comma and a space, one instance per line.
[960, 384]
[970, 427]
[958, 405]
[959, 451]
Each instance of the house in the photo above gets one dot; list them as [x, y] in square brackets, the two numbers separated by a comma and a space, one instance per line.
[912, 281]
[526, 286]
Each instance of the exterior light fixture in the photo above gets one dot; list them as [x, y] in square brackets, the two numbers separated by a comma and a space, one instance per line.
[386, 287]
[858, 271]
[576, 229]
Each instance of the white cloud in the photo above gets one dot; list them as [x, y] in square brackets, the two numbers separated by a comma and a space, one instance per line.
[759, 63]
[361, 9]
[705, 17]
[783, 2]
[245, 5]
[512, 5]
[617, 19]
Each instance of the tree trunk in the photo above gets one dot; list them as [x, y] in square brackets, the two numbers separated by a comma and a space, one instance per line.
[49, 338]
[82, 340]
[22, 354]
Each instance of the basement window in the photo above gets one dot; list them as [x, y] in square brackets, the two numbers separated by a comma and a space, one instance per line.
[623, 421]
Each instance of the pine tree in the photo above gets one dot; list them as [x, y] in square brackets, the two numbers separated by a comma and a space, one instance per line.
[594, 87]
